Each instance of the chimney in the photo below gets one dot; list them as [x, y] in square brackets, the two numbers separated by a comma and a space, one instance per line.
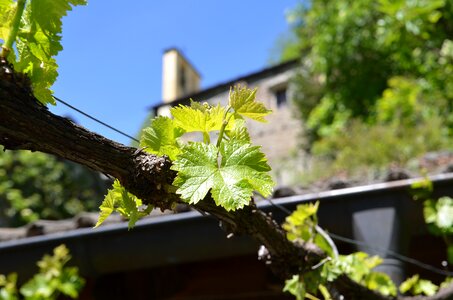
[179, 77]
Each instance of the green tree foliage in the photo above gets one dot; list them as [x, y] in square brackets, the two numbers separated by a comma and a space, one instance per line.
[374, 88]
[355, 51]
[52, 280]
[37, 185]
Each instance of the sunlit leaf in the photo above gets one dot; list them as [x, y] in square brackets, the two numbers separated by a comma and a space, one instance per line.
[233, 175]
[295, 287]
[243, 101]
[161, 137]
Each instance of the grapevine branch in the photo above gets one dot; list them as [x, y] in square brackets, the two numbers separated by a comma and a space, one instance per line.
[25, 124]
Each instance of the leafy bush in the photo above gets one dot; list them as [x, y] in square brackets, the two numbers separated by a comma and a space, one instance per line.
[53, 279]
[362, 147]
[353, 51]
[37, 185]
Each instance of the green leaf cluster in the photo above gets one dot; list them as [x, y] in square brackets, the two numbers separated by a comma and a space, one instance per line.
[52, 280]
[301, 227]
[358, 266]
[118, 199]
[231, 169]
[417, 286]
[38, 40]
[372, 61]
[36, 186]
[295, 287]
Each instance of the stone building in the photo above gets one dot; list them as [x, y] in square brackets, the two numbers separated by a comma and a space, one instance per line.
[279, 137]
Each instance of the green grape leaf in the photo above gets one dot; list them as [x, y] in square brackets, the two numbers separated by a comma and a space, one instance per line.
[439, 215]
[9, 289]
[381, 282]
[161, 137]
[417, 286]
[120, 200]
[243, 101]
[295, 287]
[354, 265]
[238, 131]
[130, 206]
[70, 283]
[37, 288]
[193, 119]
[39, 41]
[446, 283]
[444, 213]
[107, 208]
[301, 223]
[7, 8]
[302, 213]
[425, 287]
[408, 284]
[331, 270]
[232, 173]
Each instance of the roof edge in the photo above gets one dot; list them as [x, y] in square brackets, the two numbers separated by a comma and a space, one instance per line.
[227, 84]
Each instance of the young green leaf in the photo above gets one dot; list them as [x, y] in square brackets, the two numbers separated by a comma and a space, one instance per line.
[296, 287]
[243, 101]
[130, 206]
[238, 131]
[439, 215]
[233, 176]
[303, 211]
[416, 286]
[380, 282]
[107, 208]
[161, 137]
[446, 282]
[195, 119]
[408, 284]
[120, 200]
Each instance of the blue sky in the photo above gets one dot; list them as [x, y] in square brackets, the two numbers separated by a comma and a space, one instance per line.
[111, 63]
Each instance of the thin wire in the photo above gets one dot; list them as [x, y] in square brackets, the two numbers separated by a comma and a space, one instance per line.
[386, 251]
[95, 119]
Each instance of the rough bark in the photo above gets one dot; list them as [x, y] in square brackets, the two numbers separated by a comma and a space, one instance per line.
[27, 125]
